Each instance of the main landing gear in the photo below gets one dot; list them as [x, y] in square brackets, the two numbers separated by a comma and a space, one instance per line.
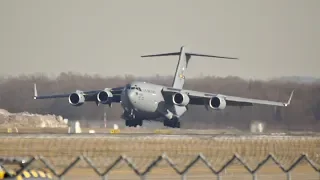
[174, 123]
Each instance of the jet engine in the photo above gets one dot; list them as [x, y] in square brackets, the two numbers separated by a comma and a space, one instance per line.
[180, 99]
[104, 97]
[217, 103]
[76, 99]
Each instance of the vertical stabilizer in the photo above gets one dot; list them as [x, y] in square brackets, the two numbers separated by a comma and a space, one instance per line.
[179, 77]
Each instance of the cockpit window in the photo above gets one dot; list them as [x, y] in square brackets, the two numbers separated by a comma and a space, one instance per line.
[135, 87]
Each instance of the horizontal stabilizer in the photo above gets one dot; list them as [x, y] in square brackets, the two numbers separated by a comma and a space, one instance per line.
[186, 53]
[205, 55]
[164, 54]
[184, 58]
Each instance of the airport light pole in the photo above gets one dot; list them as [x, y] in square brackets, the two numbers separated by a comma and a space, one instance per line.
[105, 117]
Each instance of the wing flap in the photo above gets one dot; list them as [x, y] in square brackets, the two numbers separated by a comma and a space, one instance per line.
[55, 96]
[239, 101]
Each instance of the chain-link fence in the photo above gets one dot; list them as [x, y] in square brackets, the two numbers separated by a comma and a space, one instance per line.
[26, 164]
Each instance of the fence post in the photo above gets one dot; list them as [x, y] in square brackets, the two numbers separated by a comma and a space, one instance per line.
[105, 177]
[143, 177]
[218, 177]
[254, 176]
[288, 176]
[183, 177]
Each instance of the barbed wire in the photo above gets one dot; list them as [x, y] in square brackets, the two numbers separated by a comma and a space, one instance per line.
[25, 164]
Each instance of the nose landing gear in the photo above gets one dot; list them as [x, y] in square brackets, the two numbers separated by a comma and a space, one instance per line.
[134, 122]
[131, 120]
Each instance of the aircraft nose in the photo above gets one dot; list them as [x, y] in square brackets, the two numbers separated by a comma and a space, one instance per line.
[131, 96]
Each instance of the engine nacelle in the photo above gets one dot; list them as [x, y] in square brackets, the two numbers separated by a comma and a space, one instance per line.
[180, 99]
[76, 99]
[217, 103]
[104, 97]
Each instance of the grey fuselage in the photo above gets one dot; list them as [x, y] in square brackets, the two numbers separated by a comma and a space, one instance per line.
[146, 101]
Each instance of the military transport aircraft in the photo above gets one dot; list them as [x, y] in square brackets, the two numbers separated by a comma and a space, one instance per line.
[146, 101]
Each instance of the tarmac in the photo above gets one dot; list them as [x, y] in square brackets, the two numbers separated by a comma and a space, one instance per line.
[152, 135]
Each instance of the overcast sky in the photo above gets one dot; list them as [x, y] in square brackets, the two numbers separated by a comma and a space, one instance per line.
[271, 37]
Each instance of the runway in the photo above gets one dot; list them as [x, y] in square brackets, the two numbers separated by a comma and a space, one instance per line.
[146, 131]
[153, 135]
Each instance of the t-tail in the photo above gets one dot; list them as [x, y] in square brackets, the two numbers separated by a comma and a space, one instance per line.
[184, 57]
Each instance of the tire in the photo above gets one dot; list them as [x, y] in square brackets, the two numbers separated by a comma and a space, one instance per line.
[165, 123]
[177, 124]
[174, 123]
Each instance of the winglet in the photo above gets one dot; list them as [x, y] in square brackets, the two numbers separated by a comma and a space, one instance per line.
[35, 91]
[289, 101]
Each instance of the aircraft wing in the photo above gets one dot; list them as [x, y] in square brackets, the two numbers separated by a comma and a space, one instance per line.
[89, 95]
[202, 98]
